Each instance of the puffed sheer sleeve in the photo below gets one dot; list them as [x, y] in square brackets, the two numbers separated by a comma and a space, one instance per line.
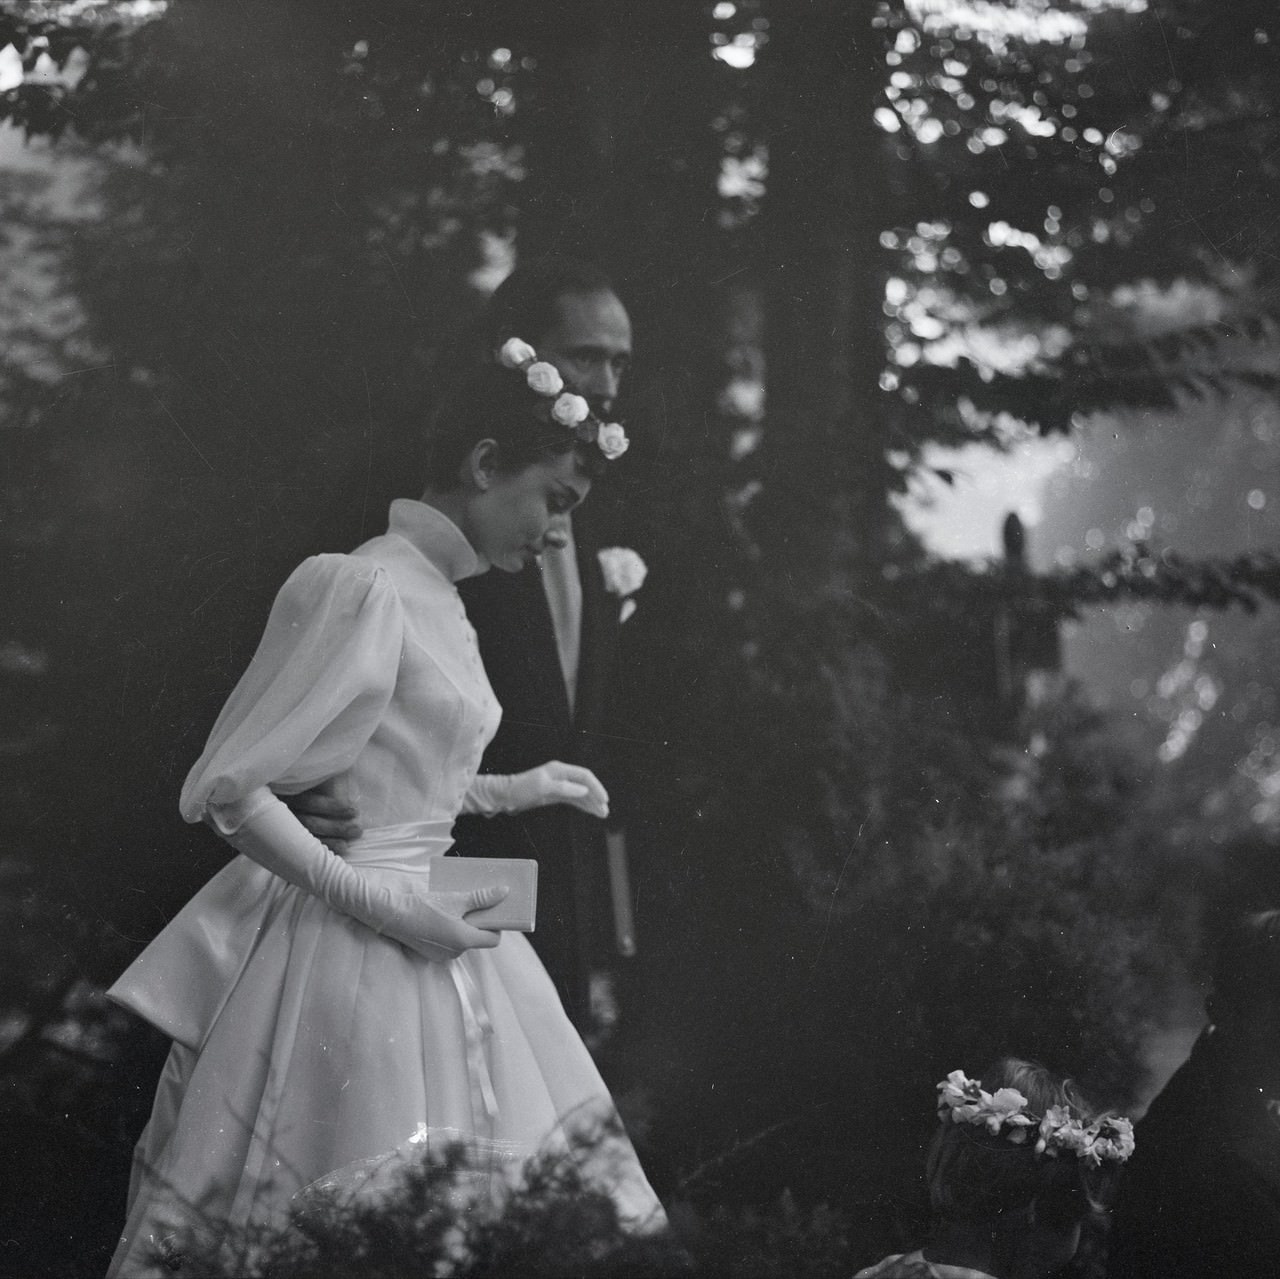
[312, 696]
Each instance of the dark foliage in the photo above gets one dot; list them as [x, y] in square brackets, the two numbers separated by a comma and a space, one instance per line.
[845, 808]
[557, 1223]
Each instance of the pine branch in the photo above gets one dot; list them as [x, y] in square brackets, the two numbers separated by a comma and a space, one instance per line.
[1134, 573]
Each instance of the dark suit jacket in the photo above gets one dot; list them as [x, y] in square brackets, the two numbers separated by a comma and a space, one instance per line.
[1200, 1197]
[517, 644]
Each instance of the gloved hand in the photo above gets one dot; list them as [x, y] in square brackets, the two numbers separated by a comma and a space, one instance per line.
[430, 924]
[550, 783]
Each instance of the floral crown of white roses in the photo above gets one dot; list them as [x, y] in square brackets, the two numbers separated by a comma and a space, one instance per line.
[964, 1101]
[566, 408]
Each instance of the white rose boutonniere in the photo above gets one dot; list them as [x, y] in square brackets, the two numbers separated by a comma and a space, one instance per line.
[624, 573]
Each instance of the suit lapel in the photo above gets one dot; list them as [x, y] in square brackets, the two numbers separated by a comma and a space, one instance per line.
[513, 621]
[599, 635]
[542, 639]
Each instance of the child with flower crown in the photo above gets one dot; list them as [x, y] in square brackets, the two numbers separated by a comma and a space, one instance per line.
[335, 1017]
[1018, 1164]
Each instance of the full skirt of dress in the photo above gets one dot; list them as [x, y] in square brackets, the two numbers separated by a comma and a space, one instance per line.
[328, 1048]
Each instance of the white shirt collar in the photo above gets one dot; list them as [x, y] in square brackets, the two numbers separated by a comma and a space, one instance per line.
[435, 536]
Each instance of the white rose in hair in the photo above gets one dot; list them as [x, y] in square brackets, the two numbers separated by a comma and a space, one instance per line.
[569, 409]
[515, 354]
[612, 440]
[624, 571]
[544, 378]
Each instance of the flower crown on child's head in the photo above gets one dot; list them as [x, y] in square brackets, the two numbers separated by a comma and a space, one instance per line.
[964, 1101]
[563, 406]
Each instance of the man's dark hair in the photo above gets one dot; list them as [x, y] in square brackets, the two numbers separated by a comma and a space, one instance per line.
[524, 304]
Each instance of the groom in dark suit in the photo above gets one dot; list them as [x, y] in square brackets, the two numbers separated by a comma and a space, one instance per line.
[548, 637]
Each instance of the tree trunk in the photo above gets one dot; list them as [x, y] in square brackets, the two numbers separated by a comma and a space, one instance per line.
[821, 457]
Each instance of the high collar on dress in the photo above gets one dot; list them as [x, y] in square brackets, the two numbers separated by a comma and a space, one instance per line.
[435, 536]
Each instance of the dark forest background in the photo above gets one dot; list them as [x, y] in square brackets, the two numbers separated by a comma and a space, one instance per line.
[878, 834]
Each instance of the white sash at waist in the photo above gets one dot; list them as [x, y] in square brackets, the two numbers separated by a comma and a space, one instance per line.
[409, 846]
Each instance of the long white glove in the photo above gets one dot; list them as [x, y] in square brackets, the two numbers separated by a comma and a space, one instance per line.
[430, 924]
[550, 783]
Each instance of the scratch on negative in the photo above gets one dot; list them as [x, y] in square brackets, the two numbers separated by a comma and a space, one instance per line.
[835, 892]
[185, 436]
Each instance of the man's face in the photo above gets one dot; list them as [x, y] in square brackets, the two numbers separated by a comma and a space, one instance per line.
[590, 343]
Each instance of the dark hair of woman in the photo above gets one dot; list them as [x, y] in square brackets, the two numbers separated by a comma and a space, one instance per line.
[494, 403]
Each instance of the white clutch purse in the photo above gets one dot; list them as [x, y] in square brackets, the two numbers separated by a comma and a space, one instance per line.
[516, 912]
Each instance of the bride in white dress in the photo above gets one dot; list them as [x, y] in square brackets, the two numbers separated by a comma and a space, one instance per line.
[326, 1009]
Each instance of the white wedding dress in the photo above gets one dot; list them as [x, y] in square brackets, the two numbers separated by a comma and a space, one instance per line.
[305, 1044]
